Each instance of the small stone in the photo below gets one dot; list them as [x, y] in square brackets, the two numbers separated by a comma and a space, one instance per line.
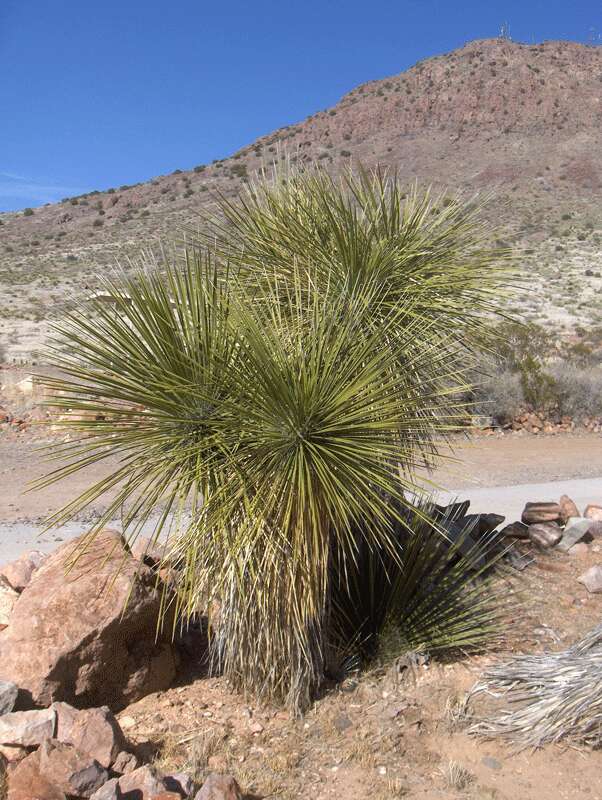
[145, 780]
[579, 550]
[573, 533]
[545, 534]
[179, 782]
[8, 598]
[217, 763]
[219, 787]
[167, 796]
[490, 762]
[535, 513]
[19, 572]
[592, 579]
[342, 723]
[256, 727]
[568, 508]
[27, 728]
[8, 696]
[593, 511]
[516, 530]
[125, 763]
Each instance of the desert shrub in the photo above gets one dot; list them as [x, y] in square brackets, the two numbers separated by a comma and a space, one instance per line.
[578, 390]
[28, 212]
[291, 385]
[497, 394]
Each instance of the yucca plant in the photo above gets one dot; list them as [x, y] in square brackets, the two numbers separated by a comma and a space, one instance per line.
[275, 409]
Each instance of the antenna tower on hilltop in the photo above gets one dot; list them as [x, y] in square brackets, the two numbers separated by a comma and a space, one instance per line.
[505, 31]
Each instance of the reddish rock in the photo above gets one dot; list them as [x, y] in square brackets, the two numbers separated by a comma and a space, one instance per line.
[579, 550]
[141, 784]
[73, 772]
[535, 513]
[594, 512]
[73, 638]
[18, 573]
[592, 579]
[167, 796]
[94, 731]
[125, 763]
[219, 787]
[27, 782]
[545, 534]
[568, 508]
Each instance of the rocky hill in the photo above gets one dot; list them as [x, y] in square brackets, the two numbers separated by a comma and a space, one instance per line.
[521, 121]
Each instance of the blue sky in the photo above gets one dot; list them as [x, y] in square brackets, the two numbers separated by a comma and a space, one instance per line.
[98, 94]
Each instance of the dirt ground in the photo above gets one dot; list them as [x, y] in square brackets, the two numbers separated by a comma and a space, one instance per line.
[384, 734]
[381, 734]
[484, 461]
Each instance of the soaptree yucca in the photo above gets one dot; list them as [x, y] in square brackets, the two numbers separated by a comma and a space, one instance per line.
[275, 412]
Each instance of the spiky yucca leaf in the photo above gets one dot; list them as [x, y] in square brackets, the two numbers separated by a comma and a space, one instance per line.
[432, 252]
[424, 594]
[276, 417]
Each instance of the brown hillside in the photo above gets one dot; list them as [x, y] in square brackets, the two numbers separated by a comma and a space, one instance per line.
[525, 121]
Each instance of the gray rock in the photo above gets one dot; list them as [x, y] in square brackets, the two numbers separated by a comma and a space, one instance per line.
[492, 763]
[27, 728]
[516, 530]
[592, 579]
[8, 696]
[545, 534]
[574, 532]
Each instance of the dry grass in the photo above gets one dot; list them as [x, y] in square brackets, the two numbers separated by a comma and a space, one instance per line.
[456, 776]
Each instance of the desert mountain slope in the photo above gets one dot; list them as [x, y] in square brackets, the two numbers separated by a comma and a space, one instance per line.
[523, 121]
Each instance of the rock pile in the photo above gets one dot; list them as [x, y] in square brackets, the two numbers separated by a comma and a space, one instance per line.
[559, 525]
[71, 652]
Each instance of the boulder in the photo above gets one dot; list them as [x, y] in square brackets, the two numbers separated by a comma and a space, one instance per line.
[576, 529]
[545, 534]
[8, 696]
[27, 728]
[568, 508]
[94, 731]
[28, 782]
[534, 513]
[8, 598]
[516, 530]
[73, 772]
[593, 511]
[219, 787]
[592, 579]
[18, 573]
[87, 637]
